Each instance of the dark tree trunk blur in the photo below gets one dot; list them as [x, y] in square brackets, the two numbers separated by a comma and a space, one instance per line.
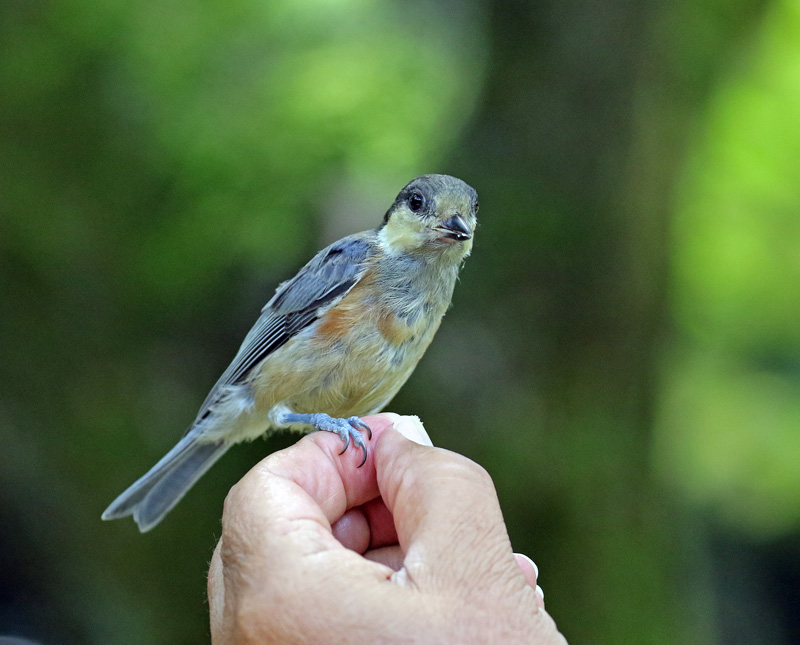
[593, 101]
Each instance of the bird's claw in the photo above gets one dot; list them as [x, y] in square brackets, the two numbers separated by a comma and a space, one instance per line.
[346, 429]
[358, 423]
[345, 435]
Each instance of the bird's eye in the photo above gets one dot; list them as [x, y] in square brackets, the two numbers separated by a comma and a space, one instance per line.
[477, 207]
[416, 202]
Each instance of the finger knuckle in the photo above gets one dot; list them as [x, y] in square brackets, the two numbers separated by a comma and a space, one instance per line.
[230, 504]
[463, 468]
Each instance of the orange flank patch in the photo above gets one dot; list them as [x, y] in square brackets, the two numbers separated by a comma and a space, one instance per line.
[340, 319]
[337, 322]
[392, 329]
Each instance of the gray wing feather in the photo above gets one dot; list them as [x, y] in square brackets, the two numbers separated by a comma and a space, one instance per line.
[327, 277]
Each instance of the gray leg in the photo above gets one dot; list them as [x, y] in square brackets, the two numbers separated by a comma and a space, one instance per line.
[345, 428]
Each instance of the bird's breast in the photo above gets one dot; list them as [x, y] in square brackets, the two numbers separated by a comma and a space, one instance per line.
[358, 354]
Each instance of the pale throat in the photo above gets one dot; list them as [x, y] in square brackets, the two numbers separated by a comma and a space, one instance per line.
[396, 238]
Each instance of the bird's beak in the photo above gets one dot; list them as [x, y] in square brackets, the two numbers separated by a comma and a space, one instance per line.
[454, 229]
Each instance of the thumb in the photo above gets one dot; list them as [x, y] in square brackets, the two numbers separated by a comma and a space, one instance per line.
[448, 520]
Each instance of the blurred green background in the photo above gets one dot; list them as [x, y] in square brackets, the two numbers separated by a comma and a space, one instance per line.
[623, 354]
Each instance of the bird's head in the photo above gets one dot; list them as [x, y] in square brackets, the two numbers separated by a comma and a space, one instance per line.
[434, 216]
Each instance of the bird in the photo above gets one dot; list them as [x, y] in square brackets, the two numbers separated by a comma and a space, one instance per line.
[334, 343]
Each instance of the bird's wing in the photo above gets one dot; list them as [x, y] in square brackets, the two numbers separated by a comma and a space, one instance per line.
[297, 303]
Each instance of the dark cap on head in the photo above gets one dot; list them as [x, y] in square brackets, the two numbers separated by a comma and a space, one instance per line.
[428, 187]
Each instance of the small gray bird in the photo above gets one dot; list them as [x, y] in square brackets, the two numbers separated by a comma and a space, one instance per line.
[335, 343]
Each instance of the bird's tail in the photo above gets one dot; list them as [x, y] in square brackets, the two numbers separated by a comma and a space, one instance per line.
[154, 494]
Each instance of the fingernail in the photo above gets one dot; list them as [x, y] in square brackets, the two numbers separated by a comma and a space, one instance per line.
[411, 428]
[532, 563]
[540, 592]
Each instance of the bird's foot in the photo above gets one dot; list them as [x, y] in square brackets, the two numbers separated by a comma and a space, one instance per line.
[347, 429]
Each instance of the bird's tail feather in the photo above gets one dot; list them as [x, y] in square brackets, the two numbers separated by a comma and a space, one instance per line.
[154, 494]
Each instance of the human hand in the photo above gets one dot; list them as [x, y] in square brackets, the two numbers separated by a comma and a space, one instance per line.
[410, 548]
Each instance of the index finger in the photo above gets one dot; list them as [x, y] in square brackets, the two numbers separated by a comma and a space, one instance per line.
[307, 485]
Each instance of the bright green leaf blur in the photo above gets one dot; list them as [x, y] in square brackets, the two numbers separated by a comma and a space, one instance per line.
[730, 434]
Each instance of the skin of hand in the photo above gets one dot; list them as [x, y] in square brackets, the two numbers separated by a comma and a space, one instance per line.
[411, 548]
